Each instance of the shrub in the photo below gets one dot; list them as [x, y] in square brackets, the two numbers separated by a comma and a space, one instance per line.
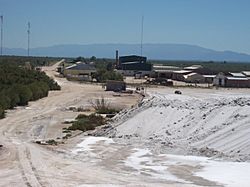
[66, 131]
[67, 136]
[1, 112]
[51, 142]
[4, 101]
[102, 106]
[100, 103]
[25, 95]
[85, 123]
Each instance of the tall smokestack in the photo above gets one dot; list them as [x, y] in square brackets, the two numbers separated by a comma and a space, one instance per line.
[117, 58]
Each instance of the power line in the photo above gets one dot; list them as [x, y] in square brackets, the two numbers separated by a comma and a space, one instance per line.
[1, 17]
[28, 38]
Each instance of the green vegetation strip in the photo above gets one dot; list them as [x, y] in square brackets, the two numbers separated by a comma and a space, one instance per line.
[18, 86]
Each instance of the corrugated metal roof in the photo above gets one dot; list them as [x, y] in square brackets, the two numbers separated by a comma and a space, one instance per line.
[81, 66]
[163, 70]
[209, 76]
[190, 74]
[182, 71]
[193, 67]
[247, 73]
[237, 78]
[135, 62]
[237, 74]
[165, 67]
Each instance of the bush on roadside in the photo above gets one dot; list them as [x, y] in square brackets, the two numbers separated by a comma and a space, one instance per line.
[102, 106]
[51, 142]
[85, 123]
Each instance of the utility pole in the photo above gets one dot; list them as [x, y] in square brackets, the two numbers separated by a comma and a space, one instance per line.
[28, 39]
[142, 33]
[1, 17]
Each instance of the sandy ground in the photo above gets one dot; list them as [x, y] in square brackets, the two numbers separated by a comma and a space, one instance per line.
[101, 161]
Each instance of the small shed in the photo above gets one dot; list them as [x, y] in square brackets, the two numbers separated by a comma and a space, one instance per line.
[220, 79]
[116, 86]
[209, 78]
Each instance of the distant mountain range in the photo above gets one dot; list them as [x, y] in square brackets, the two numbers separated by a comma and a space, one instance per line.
[152, 51]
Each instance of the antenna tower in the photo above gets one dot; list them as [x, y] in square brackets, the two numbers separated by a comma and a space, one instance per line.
[142, 20]
[28, 38]
[1, 17]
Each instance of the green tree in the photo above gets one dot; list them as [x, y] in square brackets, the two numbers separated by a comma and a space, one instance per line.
[14, 98]
[25, 95]
[109, 66]
[93, 58]
[37, 92]
[4, 101]
[103, 75]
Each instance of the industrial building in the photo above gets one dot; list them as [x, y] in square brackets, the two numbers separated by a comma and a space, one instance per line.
[161, 71]
[134, 65]
[138, 67]
[79, 71]
[232, 80]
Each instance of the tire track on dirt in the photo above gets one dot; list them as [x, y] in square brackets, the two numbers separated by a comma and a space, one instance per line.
[29, 173]
[33, 168]
[25, 179]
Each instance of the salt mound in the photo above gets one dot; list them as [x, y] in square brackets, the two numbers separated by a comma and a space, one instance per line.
[216, 125]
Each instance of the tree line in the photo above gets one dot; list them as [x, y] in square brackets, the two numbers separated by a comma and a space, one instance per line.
[34, 61]
[105, 71]
[18, 86]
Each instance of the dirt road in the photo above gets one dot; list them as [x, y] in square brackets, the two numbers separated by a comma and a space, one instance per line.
[24, 163]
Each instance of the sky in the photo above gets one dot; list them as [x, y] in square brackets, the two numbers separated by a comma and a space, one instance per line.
[215, 24]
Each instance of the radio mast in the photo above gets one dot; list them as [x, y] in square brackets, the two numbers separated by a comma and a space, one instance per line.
[1, 17]
[142, 20]
[28, 38]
